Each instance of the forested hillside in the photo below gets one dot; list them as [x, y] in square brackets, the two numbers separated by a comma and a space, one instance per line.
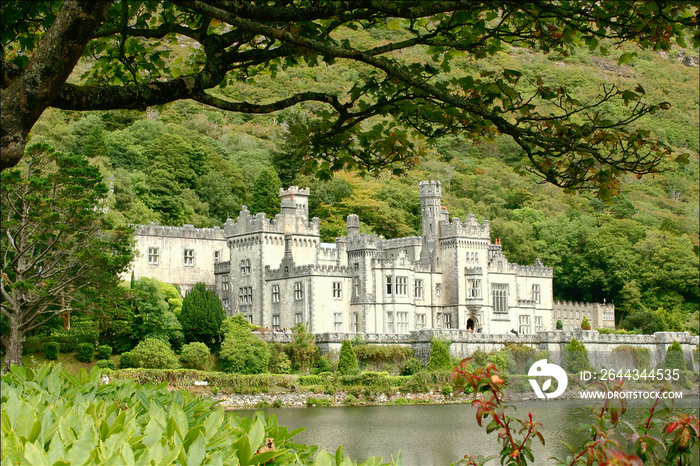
[187, 163]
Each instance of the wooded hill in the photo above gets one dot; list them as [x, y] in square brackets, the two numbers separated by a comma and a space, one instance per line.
[187, 163]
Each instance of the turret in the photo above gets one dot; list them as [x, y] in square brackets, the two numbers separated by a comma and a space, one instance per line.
[298, 197]
[353, 227]
[430, 195]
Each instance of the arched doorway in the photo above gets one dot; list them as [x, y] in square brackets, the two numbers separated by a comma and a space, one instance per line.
[471, 324]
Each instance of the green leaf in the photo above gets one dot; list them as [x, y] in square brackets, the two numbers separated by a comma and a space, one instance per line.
[323, 459]
[256, 435]
[196, 451]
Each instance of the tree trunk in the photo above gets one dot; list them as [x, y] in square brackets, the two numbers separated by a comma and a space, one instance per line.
[13, 344]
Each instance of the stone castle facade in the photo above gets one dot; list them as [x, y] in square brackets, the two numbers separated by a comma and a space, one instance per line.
[279, 273]
[600, 315]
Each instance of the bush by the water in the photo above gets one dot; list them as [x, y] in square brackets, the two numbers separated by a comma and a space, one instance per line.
[195, 355]
[439, 356]
[347, 361]
[576, 357]
[244, 353]
[674, 358]
[412, 366]
[152, 353]
[85, 352]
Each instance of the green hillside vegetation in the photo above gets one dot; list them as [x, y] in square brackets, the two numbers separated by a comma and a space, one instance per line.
[187, 163]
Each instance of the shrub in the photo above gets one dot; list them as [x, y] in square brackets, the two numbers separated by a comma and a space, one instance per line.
[585, 324]
[310, 380]
[104, 352]
[674, 358]
[85, 352]
[447, 390]
[521, 357]
[560, 325]
[439, 356]
[33, 344]
[303, 350]
[244, 353]
[105, 364]
[154, 353]
[195, 356]
[312, 402]
[125, 361]
[412, 366]
[284, 365]
[202, 315]
[373, 379]
[51, 349]
[576, 357]
[323, 365]
[347, 361]
[378, 356]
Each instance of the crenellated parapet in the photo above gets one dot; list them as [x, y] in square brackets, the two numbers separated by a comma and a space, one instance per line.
[307, 270]
[536, 270]
[470, 228]
[431, 188]
[295, 191]
[399, 243]
[281, 224]
[327, 251]
[583, 306]
[363, 241]
[185, 231]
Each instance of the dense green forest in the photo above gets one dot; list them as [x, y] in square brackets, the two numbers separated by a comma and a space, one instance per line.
[188, 163]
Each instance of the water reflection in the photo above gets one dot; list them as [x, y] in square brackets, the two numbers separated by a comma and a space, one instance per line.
[438, 434]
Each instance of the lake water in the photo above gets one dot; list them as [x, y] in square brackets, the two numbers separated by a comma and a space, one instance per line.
[430, 435]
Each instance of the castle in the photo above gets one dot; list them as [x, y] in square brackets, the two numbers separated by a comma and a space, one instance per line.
[277, 272]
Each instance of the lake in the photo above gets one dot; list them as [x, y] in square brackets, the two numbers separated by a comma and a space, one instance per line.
[439, 434]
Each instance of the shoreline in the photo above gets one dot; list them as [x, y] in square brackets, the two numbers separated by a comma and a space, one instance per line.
[235, 402]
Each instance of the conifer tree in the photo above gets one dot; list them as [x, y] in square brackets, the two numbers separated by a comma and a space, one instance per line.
[266, 193]
[347, 361]
[201, 315]
[439, 356]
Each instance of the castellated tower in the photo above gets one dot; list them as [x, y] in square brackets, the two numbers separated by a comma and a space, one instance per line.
[299, 197]
[430, 195]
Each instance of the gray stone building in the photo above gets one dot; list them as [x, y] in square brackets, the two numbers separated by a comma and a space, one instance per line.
[452, 276]
[600, 315]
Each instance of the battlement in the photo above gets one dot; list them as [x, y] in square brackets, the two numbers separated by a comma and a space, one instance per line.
[295, 191]
[222, 267]
[536, 270]
[405, 242]
[327, 251]
[247, 223]
[432, 188]
[185, 231]
[306, 270]
[363, 241]
[470, 228]
[579, 305]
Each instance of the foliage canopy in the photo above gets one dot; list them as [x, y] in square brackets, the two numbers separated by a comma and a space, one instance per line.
[129, 58]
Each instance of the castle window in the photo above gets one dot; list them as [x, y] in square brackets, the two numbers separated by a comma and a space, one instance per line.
[448, 320]
[389, 285]
[298, 291]
[389, 322]
[245, 295]
[276, 321]
[500, 298]
[356, 265]
[225, 282]
[224, 303]
[536, 293]
[189, 257]
[473, 288]
[401, 286]
[418, 289]
[337, 290]
[609, 316]
[338, 321]
[356, 286]
[275, 293]
[538, 324]
[355, 322]
[420, 321]
[402, 322]
[524, 327]
[153, 256]
[217, 257]
[245, 266]
[298, 318]
[438, 289]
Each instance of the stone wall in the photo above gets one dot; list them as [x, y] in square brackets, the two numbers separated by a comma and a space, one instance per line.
[600, 347]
